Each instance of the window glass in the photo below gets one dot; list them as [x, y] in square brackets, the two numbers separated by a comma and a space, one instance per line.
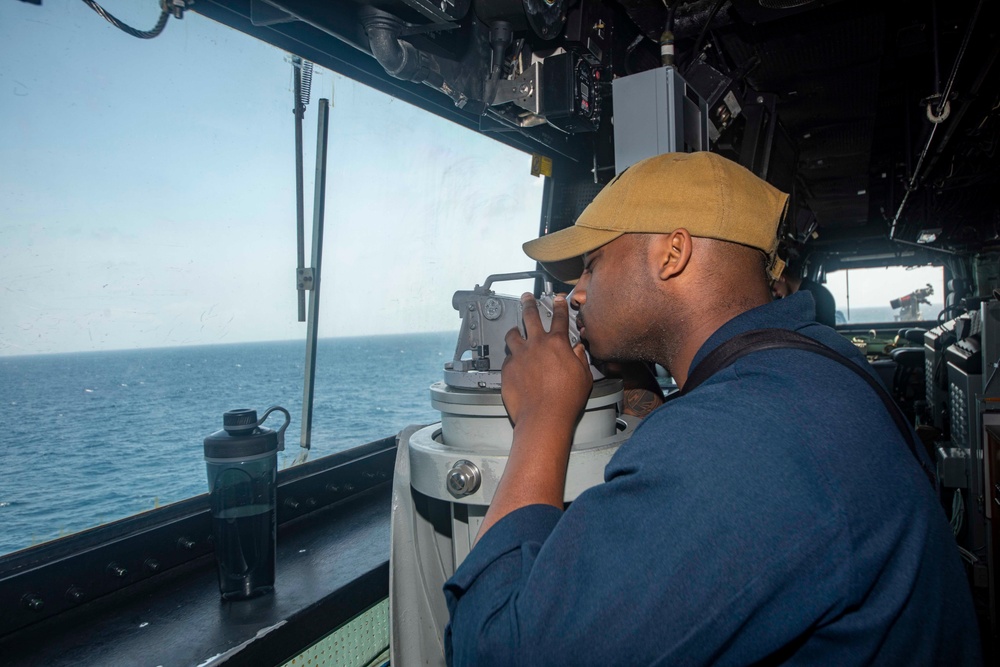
[147, 211]
[889, 294]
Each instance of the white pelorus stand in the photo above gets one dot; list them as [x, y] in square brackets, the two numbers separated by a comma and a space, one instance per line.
[446, 475]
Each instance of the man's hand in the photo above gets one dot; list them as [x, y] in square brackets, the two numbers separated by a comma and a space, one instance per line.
[545, 384]
[543, 377]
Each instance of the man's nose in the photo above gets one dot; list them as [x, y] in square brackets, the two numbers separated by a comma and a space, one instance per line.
[579, 294]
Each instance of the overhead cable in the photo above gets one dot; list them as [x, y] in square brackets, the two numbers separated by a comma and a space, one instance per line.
[161, 23]
[936, 119]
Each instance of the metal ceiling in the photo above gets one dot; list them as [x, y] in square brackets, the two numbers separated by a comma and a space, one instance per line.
[852, 79]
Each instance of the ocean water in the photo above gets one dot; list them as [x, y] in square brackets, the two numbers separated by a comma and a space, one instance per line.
[877, 314]
[88, 438]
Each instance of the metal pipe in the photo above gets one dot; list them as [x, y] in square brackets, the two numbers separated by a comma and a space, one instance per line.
[312, 326]
[847, 279]
[934, 47]
[963, 107]
[958, 59]
[925, 246]
[915, 175]
[299, 111]
[397, 57]
[912, 185]
[545, 222]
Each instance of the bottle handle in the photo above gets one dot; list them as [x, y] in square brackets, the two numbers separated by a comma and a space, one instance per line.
[281, 430]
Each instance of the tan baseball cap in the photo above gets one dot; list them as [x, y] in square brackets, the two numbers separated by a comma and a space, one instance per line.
[705, 193]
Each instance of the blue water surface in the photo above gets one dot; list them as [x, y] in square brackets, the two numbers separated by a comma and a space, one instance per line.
[88, 438]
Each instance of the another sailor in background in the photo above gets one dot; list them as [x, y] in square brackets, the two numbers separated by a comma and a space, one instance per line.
[793, 280]
[729, 530]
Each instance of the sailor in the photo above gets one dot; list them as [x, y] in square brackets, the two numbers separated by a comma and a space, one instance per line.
[793, 280]
[727, 531]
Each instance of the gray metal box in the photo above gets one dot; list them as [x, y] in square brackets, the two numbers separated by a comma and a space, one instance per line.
[656, 112]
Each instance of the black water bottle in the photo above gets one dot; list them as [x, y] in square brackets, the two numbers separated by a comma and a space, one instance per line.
[242, 463]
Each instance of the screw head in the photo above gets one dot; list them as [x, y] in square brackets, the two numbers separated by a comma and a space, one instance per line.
[463, 479]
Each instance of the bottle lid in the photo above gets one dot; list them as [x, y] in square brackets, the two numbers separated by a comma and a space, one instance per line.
[240, 437]
[241, 420]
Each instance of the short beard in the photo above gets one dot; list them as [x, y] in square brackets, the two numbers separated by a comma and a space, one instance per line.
[659, 341]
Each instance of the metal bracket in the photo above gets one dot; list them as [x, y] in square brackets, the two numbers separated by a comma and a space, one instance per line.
[503, 277]
[176, 7]
[522, 90]
[304, 279]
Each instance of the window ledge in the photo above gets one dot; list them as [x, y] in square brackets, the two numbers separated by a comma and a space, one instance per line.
[331, 564]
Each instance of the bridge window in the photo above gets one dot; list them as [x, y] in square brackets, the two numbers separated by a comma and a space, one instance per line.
[147, 191]
[887, 294]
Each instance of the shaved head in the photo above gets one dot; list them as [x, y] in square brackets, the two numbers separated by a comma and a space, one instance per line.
[737, 274]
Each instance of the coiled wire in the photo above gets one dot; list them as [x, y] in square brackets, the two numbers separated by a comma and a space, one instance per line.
[141, 34]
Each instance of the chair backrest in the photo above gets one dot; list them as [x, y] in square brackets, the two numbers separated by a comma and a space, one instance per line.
[958, 288]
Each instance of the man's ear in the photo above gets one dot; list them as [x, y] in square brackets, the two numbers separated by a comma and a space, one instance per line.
[672, 252]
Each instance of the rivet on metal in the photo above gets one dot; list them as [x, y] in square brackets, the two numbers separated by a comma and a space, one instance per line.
[32, 602]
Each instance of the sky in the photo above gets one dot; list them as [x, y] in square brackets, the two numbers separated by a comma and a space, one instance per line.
[147, 192]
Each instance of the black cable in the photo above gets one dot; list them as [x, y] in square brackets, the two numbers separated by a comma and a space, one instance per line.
[628, 52]
[704, 31]
[141, 34]
[670, 15]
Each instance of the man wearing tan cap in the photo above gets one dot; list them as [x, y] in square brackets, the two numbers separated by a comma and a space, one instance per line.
[726, 532]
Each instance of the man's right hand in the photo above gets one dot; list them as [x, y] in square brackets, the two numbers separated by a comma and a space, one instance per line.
[545, 384]
[543, 376]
